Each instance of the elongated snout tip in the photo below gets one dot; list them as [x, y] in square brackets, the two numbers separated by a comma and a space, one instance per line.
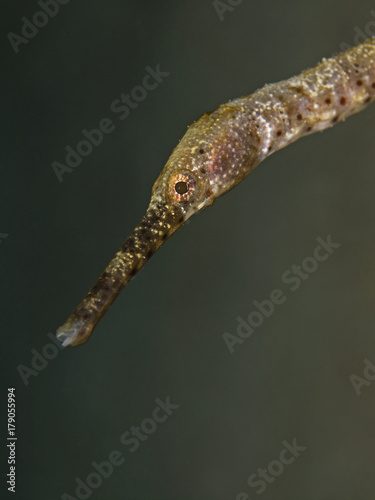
[71, 333]
[66, 336]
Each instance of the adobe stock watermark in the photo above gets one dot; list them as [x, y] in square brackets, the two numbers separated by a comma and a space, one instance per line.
[222, 7]
[260, 479]
[40, 359]
[293, 278]
[30, 28]
[121, 107]
[132, 439]
[361, 35]
[368, 377]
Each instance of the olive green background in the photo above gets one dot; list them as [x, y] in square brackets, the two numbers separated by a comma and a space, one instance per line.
[163, 335]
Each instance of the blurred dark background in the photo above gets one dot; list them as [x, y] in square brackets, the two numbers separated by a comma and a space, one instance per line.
[163, 336]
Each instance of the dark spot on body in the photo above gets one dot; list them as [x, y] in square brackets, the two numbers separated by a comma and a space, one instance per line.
[181, 219]
[343, 101]
[201, 151]
[373, 85]
[279, 133]
[299, 116]
[203, 170]
[95, 290]
[367, 100]
[328, 100]
[335, 119]
[359, 83]
[269, 148]
[106, 287]
[309, 129]
[165, 236]
[208, 192]
[150, 253]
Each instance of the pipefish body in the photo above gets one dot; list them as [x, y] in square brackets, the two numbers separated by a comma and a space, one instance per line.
[218, 151]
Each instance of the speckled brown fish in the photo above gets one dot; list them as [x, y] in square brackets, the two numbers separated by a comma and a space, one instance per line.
[218, 151]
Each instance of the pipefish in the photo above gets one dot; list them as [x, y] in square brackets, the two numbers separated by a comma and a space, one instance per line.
[218, 151]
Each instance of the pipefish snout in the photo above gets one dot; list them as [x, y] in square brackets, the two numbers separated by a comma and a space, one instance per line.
[218, 151]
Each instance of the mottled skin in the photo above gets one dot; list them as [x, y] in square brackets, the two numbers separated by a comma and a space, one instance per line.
[218, 151]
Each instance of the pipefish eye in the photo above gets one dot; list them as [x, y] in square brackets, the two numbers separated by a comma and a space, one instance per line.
[182, 186]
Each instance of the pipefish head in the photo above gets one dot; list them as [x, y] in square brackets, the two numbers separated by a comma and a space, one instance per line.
[202, 165]
[183, 185]
[182, 189]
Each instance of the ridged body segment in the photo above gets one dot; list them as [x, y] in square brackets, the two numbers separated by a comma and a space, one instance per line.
[240, 134]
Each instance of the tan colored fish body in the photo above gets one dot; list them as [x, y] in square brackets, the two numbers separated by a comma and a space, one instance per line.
[218, 151]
